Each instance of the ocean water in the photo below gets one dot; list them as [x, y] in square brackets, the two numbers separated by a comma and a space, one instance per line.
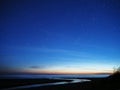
[48, 84]
[72, 77]
[33, 76]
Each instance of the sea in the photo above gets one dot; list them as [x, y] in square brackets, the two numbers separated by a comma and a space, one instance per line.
[52, 76]
[73, 77]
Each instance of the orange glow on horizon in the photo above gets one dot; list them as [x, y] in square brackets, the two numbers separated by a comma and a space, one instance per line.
[67, 71]
[62, 71]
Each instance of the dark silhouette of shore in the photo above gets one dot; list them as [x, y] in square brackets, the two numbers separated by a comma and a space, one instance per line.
[109, 83]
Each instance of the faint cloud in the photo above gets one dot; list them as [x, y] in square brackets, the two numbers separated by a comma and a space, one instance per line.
[37, 67]
[71, 53]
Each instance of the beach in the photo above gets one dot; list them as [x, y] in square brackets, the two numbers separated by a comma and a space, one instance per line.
[94, 84]
[9, 83]
[60, 82]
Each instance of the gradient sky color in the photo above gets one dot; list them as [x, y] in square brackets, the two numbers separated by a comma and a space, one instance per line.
[59, 36]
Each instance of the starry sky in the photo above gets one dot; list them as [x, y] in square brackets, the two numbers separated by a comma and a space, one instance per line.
[59, 36]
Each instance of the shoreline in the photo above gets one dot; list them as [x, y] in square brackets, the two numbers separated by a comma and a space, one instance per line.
[94, 84]
[8, 83]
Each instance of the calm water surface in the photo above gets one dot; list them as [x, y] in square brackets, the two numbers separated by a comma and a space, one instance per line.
[29, 76]
[72, 77]
[48, 84]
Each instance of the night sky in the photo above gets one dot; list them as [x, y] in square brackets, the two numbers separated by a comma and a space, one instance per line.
[59, 36]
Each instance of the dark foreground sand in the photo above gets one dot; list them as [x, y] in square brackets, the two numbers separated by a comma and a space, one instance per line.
[95, 84]
[110, 83]
[8, 83]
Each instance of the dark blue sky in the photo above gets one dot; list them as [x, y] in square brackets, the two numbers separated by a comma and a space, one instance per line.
[60, 36]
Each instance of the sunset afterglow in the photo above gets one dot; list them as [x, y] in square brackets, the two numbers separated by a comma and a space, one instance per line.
[59, 36]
